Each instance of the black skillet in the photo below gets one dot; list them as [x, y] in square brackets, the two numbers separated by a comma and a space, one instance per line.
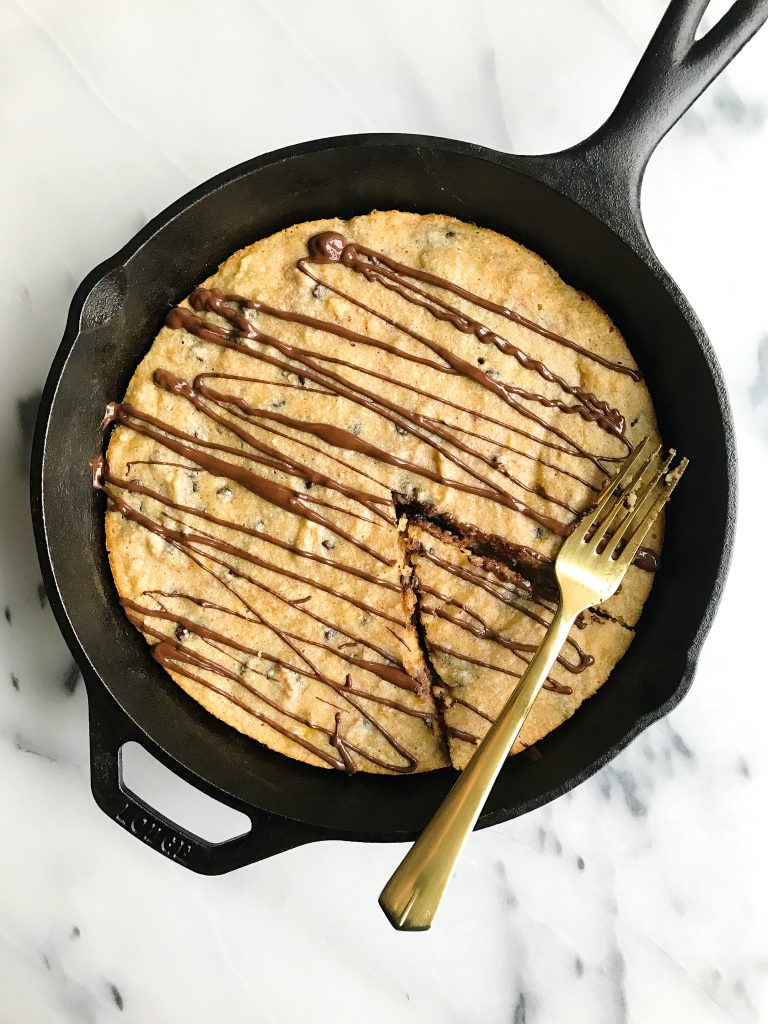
[580, 210]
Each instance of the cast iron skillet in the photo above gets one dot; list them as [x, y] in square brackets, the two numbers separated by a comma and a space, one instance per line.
[580, 210]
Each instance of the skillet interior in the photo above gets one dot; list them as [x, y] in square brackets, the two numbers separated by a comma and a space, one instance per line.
[116, 314]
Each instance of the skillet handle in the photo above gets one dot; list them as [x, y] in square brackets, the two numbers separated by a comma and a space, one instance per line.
[269, 834]
[673, 72]
[605, 172]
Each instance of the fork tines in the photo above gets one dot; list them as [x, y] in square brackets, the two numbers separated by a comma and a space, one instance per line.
[630, 504]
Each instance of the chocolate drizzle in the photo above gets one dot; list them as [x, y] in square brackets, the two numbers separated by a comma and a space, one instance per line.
[331, 247]
[251, 452]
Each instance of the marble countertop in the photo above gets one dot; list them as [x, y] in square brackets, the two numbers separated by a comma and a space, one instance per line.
[639, 897]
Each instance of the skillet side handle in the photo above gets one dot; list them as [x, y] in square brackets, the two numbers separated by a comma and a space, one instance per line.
[607, 168]
[110, 728]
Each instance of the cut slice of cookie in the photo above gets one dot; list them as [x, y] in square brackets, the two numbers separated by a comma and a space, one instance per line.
[293, 636]
[480, 628]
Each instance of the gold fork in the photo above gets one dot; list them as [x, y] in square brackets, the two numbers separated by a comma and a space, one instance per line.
[589, 568]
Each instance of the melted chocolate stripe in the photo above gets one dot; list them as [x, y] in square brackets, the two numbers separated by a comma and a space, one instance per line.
[135, 487]
[179, 540]
[340, 438]
[399, 416]
[460, 734]
[469, 370]
[175, 657]
[170, 382]
[179, 658]
[422, 427]
[274, 493]
[376, 698]
[454, 426]
[254, 415]
[338, 742]
[306, 611]
[203, 539]
[589, 407]
[329, 247]
[471, 707]
[159, 462]
[524, 455]
[476, 579]
[214, 302]
[551, 684]
[168, 654]
[390, 673]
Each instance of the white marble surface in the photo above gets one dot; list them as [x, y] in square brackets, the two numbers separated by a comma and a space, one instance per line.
[640, 897]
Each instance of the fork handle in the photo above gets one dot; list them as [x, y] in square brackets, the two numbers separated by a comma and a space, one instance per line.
[412, 895]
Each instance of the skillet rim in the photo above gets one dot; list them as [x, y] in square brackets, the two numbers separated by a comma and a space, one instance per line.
[544, 171]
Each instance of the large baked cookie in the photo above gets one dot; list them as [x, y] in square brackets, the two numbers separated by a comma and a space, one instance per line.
[339, 476]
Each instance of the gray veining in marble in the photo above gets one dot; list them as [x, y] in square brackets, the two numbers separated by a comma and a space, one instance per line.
[640, 897]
